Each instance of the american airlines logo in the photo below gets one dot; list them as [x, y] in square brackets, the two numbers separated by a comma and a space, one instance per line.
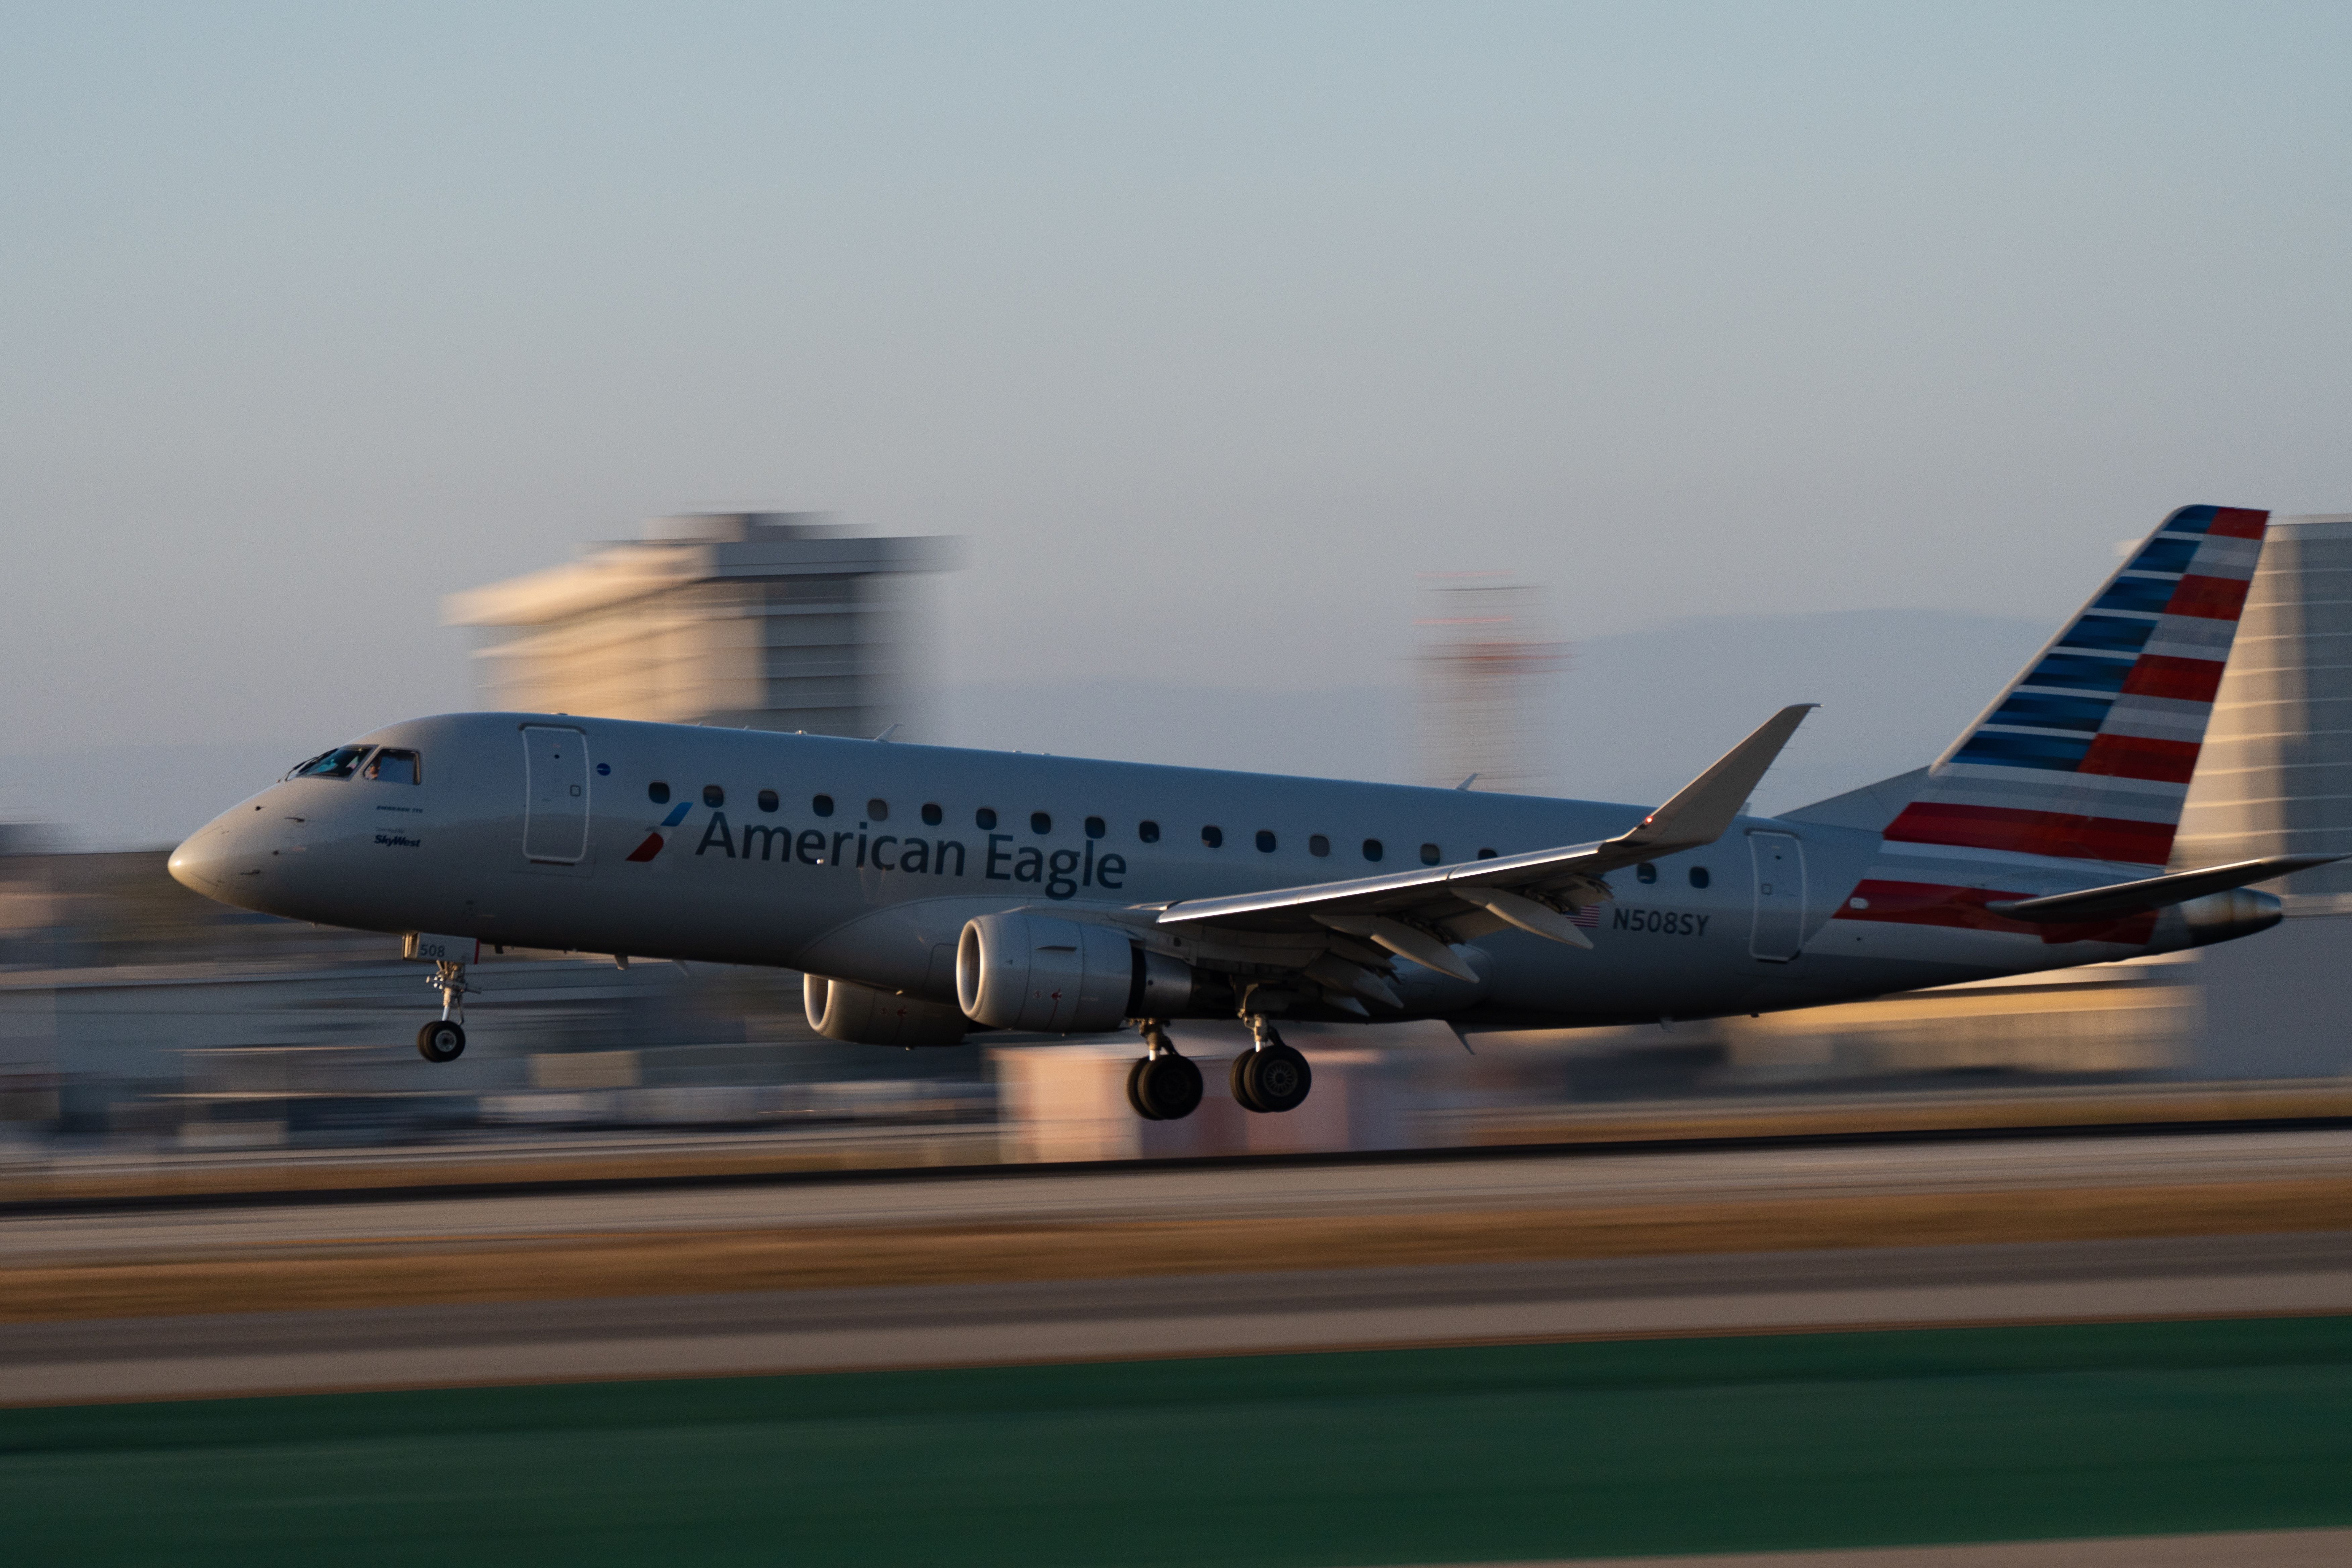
[653, 844]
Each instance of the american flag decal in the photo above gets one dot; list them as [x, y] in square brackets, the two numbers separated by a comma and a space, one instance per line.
[1587, 916]
[2087, 756]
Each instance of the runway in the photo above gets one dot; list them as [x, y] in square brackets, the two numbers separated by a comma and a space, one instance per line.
[1502, 1182]
[1158, 1317]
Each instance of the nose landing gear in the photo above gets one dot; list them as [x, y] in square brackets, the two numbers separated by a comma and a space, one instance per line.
[444, 1039]
[441, 1041]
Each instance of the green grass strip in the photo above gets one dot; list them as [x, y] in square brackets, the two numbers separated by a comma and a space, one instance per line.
[1818, 1440]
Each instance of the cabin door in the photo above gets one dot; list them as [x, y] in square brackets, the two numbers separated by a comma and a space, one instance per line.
[1780, 929]
[555, 800]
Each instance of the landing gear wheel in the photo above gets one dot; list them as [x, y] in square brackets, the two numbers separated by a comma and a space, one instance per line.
[1135, 1090]
[1237, 1080]
[441, 1041]
[1165, 1087]
[1277, 1078]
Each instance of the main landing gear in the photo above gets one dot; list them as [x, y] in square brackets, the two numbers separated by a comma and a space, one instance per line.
[1166, 1087]
[1163, 1085]
[1271, 1078]
[444, 1039]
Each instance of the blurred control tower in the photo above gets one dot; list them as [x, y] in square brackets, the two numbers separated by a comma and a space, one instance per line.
[758, 620]
[1484, 660]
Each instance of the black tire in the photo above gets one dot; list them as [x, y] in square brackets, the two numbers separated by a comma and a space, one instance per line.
[1279, 1078]
[441, 1041]
[1135, 1089]
[1237, 1080]
[1170, 1085]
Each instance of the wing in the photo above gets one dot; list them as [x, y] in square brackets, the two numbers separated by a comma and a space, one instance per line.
[1419, 914]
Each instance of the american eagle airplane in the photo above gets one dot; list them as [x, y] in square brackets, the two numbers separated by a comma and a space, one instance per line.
[924, 890]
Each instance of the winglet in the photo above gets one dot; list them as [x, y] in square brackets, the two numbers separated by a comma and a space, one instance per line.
[1702, 810]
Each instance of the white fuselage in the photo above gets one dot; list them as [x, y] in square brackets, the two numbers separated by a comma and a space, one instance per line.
[862, 862]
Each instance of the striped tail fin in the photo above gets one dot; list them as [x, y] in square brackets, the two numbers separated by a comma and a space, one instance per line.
[2087, 756]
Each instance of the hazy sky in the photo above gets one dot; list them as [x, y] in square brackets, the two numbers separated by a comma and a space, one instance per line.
[1208, 326]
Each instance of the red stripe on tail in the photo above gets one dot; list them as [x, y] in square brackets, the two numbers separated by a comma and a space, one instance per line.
[2035, 833]
[2182, 679]
[2138, 757]
[1936, 904]
[2209, 598]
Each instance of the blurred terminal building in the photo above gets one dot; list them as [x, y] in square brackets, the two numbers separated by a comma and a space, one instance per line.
[758, 620]
[127, 1004]
[130, 1006]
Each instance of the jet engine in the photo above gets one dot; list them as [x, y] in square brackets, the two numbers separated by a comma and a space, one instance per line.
[1021, 970]
[844, 1010]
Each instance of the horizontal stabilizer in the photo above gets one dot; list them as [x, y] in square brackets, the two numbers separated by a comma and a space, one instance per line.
[2120, 898]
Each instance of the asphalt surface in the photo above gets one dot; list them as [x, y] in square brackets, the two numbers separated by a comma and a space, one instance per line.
[1169, 1192]
[935, 1326]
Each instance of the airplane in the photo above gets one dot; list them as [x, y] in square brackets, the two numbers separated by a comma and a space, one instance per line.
[924, 891]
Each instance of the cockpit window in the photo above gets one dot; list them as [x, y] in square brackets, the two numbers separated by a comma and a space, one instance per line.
[392, 765]
[339, 763]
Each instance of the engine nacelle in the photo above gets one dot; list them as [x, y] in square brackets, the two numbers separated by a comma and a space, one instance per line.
[1021, 970]
[844, 1010]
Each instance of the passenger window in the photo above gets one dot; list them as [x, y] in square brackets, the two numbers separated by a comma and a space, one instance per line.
[1318, 846]
[1094, 829]
[985, 818]
[1486, 854]
[1429, 856]
[1373, 849]
[1148, 831]
[1214, 838]
[768, 801]
[713, 795]
[878, 810]
[1040, 822]
[1265, 842]
[339, 763]
[392, 765]
[822, 805]
[1699, 878]
[658, 793]
[932, 815]
[1645, 873]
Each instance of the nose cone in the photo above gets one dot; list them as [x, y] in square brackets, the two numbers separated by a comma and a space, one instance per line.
[201, 864]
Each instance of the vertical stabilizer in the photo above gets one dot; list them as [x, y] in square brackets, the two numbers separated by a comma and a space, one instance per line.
[2087, 756]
